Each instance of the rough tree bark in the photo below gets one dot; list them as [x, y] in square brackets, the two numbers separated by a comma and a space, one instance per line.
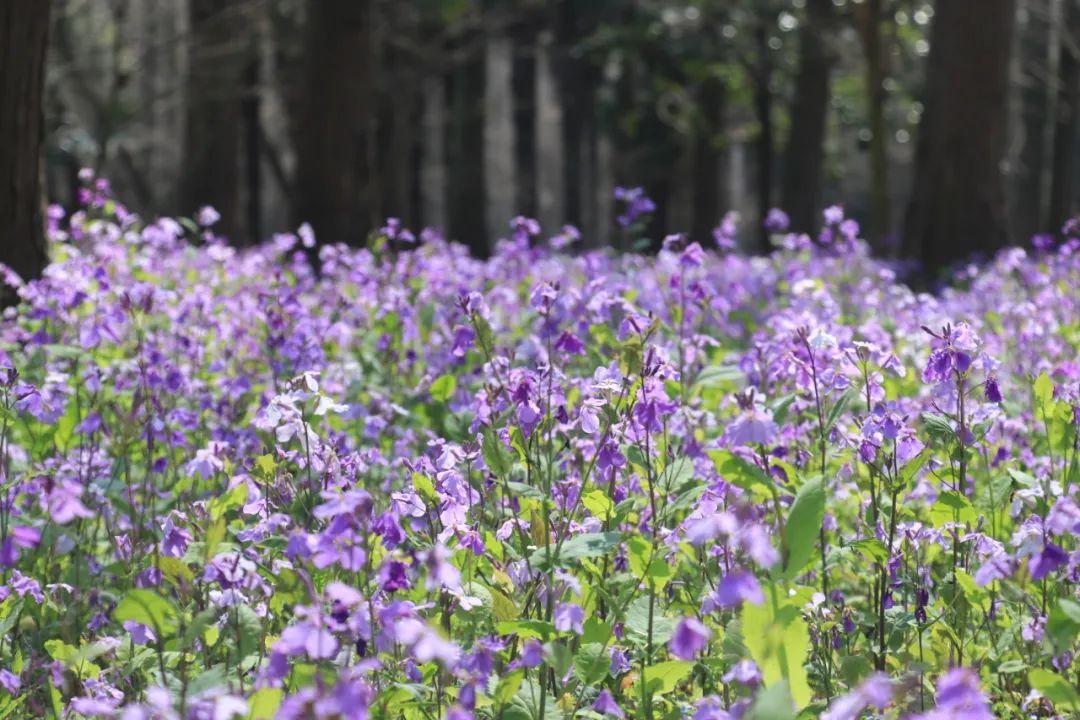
[763, 108]
[707, 162]
[215, 114]
[870, 16]
[333, 131]
[1062, 202]
[24, 28]
[957, 204]
[805, 152]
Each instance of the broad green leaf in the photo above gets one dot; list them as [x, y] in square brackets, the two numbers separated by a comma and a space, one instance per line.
[951, 506]
[803, 526]
[773, 703]
[586, 545]
[1043, 390]
[442, 389]
[265, 703]
[496, 456]
[664, 677]
[597, 503]
[1054, 688]
[508, 686]
[150, 609]
[778, 641]
[740, 472]
[871, 548]
[234, 498]
[1063, 624]
[527, 629]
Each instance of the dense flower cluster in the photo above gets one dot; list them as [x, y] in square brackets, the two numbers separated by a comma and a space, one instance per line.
[551, 484]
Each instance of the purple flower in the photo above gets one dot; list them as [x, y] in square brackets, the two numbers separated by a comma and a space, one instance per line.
[605, 705]
[777, 221]
[959, 696]
[690, 638]
[569, 618]
[1047, 561]
[737, 587]
[10, 681]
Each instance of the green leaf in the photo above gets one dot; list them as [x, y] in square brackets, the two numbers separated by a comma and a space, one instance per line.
[773, 703]
[508, 686]
[265, 703]
[591, 663]
[65, 426]
[951, 506]
[837, 410]
[1063, 624]
[664, 677]
[1054, 688]
[496, 456]
[637, 624]
[1043, 390]
[778, 640]
[871, 548]
[442, 389]
[147, 607]
[266, 465]
[527, 629]
[586, 545]
[598, 503]
[740, 472]
[804, 525]
[234, 498]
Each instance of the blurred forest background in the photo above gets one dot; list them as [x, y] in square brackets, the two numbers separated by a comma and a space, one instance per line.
[947, 128]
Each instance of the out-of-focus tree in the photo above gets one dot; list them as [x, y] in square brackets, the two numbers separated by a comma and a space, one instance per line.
[1062, 201]
[220, 50]
[24, 29]
[334, 143]
[958, 203]
[804, 154]
[874, 21]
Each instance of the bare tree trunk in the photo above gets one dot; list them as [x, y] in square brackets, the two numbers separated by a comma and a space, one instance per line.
[253, 146]
[333, 173]
[870, 19]
[465, 147]
[805, 153]
[707, 161]
[215, 113]
[1062, 203]
[550, 189]
[958, 201]
[1027, 174]
[433, 155]
[24, 29]
[763, 107]
[500, 180]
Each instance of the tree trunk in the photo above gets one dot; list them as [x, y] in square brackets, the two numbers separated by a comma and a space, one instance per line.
[215, 117]
[805, 152]
[550, 188]
[500, 178]
[1062, 203]
[24, 28]
[1030, 67]
[464, 150]
[957, 205]
[333, 175]
[433, 154]
[870, 19]
[707, 162]
[763, 107]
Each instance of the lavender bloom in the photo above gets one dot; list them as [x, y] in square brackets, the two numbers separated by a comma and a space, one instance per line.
[690, 638]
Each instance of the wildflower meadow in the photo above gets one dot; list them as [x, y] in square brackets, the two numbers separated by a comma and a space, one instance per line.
[315, 481]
